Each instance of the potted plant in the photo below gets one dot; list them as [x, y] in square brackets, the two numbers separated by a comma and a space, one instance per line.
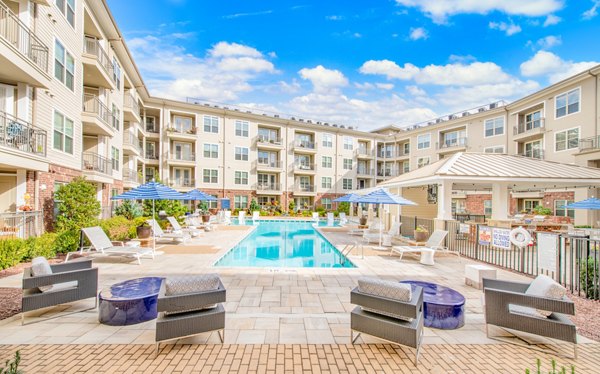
[203, 211]
[362, 220]
[421, 233]
[143, 231]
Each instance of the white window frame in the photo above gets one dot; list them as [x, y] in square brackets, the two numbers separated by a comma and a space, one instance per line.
[486, 208]
[566, 132]
[328, 165]
[210, 176]
[345, 182]
[405, 166]
[419, 142]
[326, 203]
[567, 103]
[348, 143]
[210, 150]
[347, 164]
[327, 140]
[239, 176]
[566, 210]
[493, 120]
[237, 202]
[244, 156]
[423, 158]
[63, 132]
[541, 149]
[326, 182]
[211, 125]
[406, 148]
[243, 127]
[493, 149]
[64, 12]
[64, 65]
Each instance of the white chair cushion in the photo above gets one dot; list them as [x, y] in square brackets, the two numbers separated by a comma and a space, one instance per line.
[191, 284]
[387, 289]
[62, 286]
[542, 286]
[40, 266]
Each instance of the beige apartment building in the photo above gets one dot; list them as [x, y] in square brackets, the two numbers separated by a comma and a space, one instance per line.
[72, 103]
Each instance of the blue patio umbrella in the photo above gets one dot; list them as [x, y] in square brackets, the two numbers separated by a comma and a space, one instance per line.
[588, 204]
[350, 198]
[199, 195]
[383, 196]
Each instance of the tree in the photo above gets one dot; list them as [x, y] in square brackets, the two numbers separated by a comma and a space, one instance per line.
[254, 205]
[78, 206]
[129, 209]
[171, 207]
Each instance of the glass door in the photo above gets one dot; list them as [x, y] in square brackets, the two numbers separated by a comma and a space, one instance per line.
[183, 151]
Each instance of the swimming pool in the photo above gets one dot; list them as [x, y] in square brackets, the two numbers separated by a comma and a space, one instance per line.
[284, 244]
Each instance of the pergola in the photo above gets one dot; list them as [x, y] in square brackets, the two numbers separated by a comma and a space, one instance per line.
[498, 174]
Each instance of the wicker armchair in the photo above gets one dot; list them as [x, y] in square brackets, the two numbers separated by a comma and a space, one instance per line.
[77, 271]
[180, 316]
[500, 294]
[394, 330]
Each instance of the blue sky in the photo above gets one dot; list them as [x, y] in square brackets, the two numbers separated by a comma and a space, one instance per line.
[367, 64]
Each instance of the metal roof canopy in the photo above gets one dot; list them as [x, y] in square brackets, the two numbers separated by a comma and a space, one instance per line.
[479, 171]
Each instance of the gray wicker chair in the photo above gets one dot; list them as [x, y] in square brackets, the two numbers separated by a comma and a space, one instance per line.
[179, 316]
[393, 330]
[80, 271]
[500, 294]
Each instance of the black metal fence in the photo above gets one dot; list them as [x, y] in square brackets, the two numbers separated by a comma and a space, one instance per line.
[409, 224]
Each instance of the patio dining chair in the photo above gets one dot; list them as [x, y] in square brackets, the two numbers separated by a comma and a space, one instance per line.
[101, 243]
[160, 234]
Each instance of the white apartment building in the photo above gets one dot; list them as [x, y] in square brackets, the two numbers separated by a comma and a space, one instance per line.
[72, 103]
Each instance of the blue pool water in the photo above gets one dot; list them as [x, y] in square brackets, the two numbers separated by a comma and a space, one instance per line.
[285, 244]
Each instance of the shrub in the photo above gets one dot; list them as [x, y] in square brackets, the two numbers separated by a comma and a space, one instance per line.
[254, 205]
[291, 206]
[44, 245]
[589, 279]
[78, 205]
[12, 251]
[129, 209]
[67, 241]
[118, 228]
[264, 213]
[306, 213]
[171, 207]
[344, 207]
[321, 210]
[542, 211]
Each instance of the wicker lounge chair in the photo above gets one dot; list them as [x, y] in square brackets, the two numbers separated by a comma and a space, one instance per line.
[70, 282]
[500, 295]
[160, 234]
[377, 320]
[100, 242]
[433, 245]
[178, 229]
[189, 314]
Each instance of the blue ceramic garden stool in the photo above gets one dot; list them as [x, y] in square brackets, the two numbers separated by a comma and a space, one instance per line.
[130, 302]
[444, 308]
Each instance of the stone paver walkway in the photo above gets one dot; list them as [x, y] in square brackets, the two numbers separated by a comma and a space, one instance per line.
[372, 358]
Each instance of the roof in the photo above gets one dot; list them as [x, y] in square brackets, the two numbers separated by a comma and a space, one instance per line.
[488, 167]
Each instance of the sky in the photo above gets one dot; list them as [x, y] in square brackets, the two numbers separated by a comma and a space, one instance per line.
[367, 64]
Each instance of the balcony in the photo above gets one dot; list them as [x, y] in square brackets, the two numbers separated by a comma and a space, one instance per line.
[363, 153]
[132, 145]
[267, 188]
[188, 159]
[98, 69]
[386, 154]
[265, 142]
[151, 156]
[588, 145]
[305, 146]
[537, 154]
[97, 168]
[96, 117]
[365, 172]
[132, 178]
[304, 168]
[305, 190]
[385, 174]
[151, 129]
[131, 109]
[452, 145]
[23, 56]
[181, 134]
[22, 136]
[263, 165]
[183, 183]
[529, 130]
[401, 155]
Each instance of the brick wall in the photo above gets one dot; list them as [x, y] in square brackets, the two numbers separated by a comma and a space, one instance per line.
[331, 196]
[475, 203]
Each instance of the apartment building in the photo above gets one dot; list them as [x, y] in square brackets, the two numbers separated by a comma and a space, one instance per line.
[73, 103]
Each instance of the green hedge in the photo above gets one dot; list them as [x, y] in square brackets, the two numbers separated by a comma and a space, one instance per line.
[15, 251]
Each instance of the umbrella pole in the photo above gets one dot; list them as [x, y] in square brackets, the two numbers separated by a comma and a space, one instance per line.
[153, 229]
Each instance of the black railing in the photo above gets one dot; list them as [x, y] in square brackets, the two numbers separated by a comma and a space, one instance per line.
[410, 224]
[94, 162]
[93, 105]
[18, 134]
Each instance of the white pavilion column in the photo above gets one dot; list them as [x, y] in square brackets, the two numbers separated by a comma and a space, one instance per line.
[444, 204]
[500, 199]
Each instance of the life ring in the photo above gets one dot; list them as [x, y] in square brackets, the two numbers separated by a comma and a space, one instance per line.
[520, 237]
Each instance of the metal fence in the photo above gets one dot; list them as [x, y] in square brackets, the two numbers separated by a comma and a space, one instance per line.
[21, 224]
[409, 224]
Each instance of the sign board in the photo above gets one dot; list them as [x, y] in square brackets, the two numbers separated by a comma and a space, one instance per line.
[485, 235]
[463, 228]
[547, 244]
[225, 204]
[501, 238]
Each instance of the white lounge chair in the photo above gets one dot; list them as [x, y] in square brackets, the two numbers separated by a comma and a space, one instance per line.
[330, 219]
[373, 227]
[160, 234]
[101, 243]
[178, 229]
[385, 237]
[343, 219]
[315, 216]
[433, 244]
[255, 216]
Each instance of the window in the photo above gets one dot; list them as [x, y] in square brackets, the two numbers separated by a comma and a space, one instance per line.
[495, 149]
[454, 138]
[326, 162]
[422, 161]
[406, 148]
[347, 164]
[241, 177]
[567, 139]
[241, 128]
[348, 143]
[241, 154]
[326, 182]
[64, 66]
[487, 208]
[560, 210]
[533, 120]
[534, 149]
[210, 176]
[240, 202]
[211, 150]
[424, 141]
[116, 117]
[117, 73]
[567, 103]
[268, 159]
[67, 8]
[115, 158]
[326, 203]
[211, 124]
[494, 126]
[347, 183]
[63, 133]
[327, 141]
[268, 135]
[530, 205]
[183, 124]
[405, 166]
[212, 204]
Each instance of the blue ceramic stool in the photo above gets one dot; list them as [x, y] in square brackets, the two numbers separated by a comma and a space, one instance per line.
[130, 302]
[444, 308]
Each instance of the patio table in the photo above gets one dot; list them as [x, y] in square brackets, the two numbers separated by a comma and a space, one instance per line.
[129, 302]
[444, 308]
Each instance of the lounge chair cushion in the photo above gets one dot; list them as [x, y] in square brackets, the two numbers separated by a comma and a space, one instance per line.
[387, 289]
[39, 267]
[541, 286]
[189, 284]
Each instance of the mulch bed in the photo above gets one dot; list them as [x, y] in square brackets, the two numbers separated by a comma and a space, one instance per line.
[587, 317]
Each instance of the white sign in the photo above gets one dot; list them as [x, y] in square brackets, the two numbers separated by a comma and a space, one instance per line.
[501, 238]
[547, 245]
[463, 228]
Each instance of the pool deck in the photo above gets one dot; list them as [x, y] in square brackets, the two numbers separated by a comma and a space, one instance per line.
[275, 307]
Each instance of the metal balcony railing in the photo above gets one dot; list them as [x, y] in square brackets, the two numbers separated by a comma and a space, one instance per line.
[18, 134]
[92, 46]
[21, 224]
[268, 140]
[95, 162]
[308, 144]
[134, 142]
[174, 130]
[93, 105]
[527, 126]
[270, 164]
[151, 128]
[305, 188]
[182, 156]
[451, 143]
[386, 154]
[301, 166]
[388, 173]
[590, 143]
[538, 154]
[364, 152]
[22, 38]
[183, 182]
[130, 102]
[267, 187]
[365, 171]
[151, 155]
[132, 176]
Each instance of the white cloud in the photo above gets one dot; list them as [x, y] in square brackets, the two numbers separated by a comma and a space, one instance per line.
[323, 79]
[547, 42]
[250, 14]
[290, 88]
[385, 86]
[593, 11]
[545, 63]
[439, 11]
[508, 28]
[460, 98]
[224, 49]
[418, 33]
[389, 68]
[552, 20]
[416, 91]
[334, 17]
